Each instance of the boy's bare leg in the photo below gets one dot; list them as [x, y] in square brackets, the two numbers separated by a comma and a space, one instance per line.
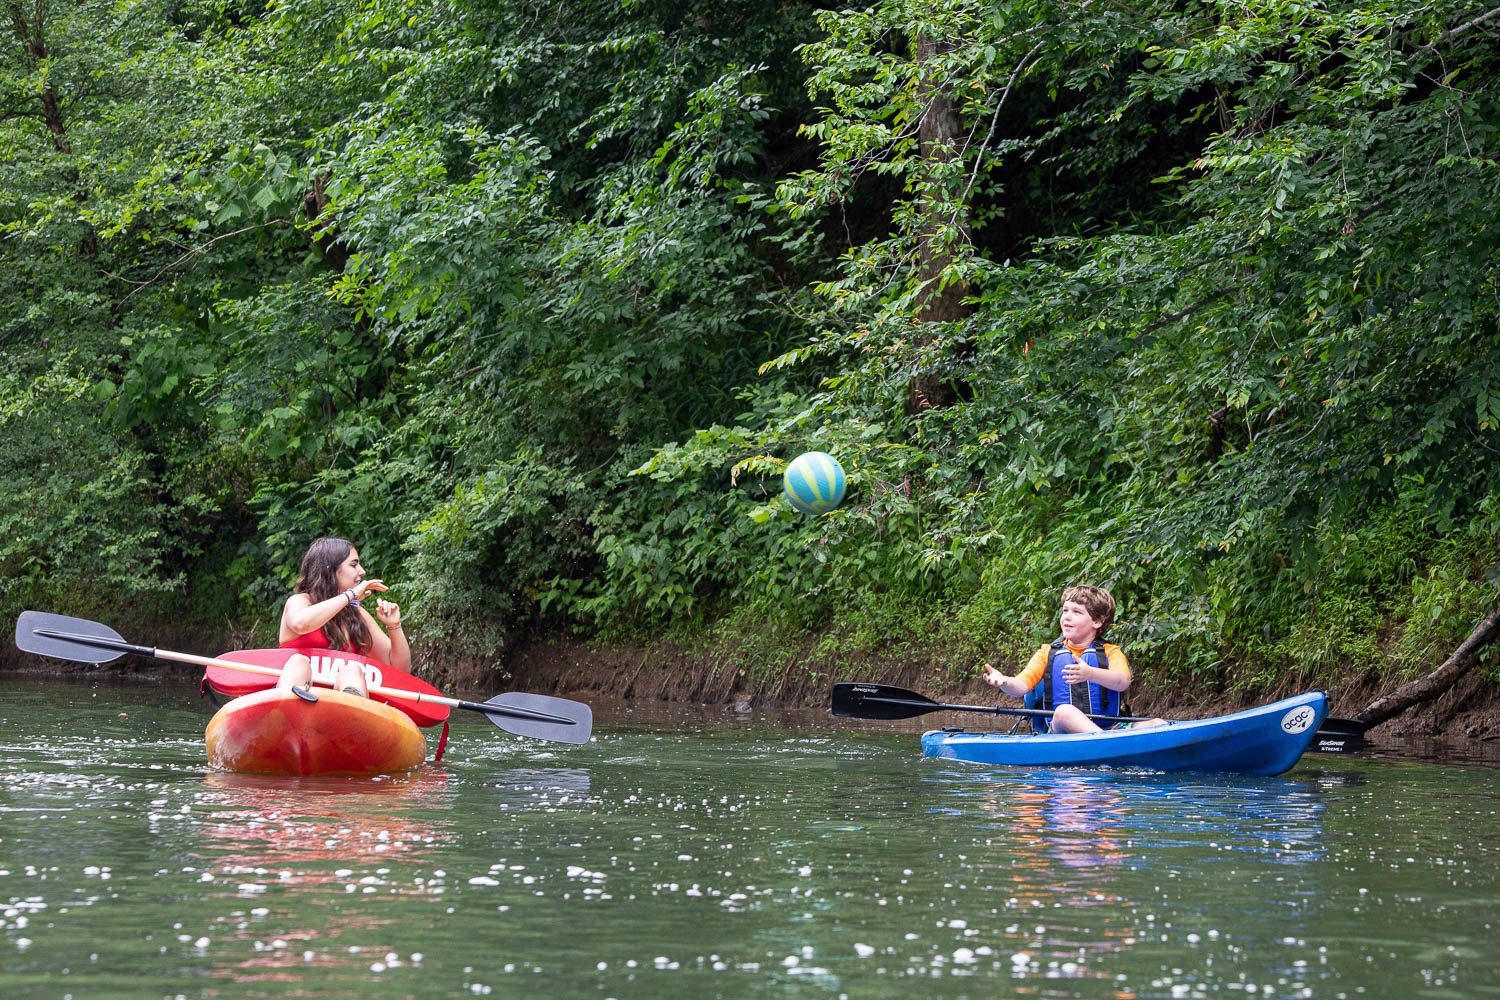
[1068, 719]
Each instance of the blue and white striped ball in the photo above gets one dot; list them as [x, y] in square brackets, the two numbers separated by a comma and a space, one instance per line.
[814, 483]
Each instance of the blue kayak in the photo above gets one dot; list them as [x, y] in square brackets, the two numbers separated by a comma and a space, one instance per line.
[1264, 740]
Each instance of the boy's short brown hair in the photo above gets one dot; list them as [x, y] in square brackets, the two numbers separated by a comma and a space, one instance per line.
[1099, 602]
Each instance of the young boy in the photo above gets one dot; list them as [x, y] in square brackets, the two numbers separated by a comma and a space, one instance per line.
[1078, 675]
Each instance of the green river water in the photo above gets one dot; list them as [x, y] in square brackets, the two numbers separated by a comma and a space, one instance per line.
[697, 853]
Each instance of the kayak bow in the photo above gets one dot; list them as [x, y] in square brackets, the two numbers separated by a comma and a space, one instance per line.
[278, 732]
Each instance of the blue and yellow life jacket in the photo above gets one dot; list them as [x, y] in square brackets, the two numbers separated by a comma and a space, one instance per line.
[1052, 690]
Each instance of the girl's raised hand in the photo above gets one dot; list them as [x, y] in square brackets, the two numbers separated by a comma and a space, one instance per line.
[388, 612]
[364, 588]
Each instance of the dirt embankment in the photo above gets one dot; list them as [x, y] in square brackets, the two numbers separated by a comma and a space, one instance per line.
[665, 672]
[1470, 709]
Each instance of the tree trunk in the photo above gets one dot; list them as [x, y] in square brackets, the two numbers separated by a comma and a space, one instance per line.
[939, 134]
[335, 251]
[31, 33]
[1426, 688]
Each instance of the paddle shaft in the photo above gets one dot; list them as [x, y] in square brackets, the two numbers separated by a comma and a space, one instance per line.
[888, 702]
[1339, 727]
[1029, 713]
[121, 646]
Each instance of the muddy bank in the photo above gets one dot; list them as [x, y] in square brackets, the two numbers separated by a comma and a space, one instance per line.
[664, 672]
[1470, 709]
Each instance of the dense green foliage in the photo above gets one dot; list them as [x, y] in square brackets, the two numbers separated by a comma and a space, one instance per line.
[534, 301]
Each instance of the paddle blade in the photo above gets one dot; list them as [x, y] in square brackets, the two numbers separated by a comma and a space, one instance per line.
[539, 716]
[1332, 741]
[1340, 736]
[879, 701]
[64, 638]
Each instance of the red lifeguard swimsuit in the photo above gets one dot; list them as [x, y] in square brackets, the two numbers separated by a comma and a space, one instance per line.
[308, 640]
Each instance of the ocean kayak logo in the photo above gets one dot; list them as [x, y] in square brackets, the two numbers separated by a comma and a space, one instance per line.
[325, 670]
[1298, 720]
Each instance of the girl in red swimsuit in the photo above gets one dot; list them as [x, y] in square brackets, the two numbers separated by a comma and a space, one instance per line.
[325, 612]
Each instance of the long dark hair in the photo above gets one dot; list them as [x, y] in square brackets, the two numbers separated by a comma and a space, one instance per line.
[317, 578]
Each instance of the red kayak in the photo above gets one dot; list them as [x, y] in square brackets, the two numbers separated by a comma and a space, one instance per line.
[320, 732]
[277, 732]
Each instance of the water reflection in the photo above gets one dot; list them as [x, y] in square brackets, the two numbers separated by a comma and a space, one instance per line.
[1080, 819]
[1075, 842]
[269, 820]
[539, 787]
[314, 863]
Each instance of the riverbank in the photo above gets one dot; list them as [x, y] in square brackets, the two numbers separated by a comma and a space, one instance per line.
[1469, 710]
[666, 672]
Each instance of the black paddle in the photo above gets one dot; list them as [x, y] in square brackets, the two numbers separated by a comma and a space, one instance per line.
[532, 715]
[884, 701]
